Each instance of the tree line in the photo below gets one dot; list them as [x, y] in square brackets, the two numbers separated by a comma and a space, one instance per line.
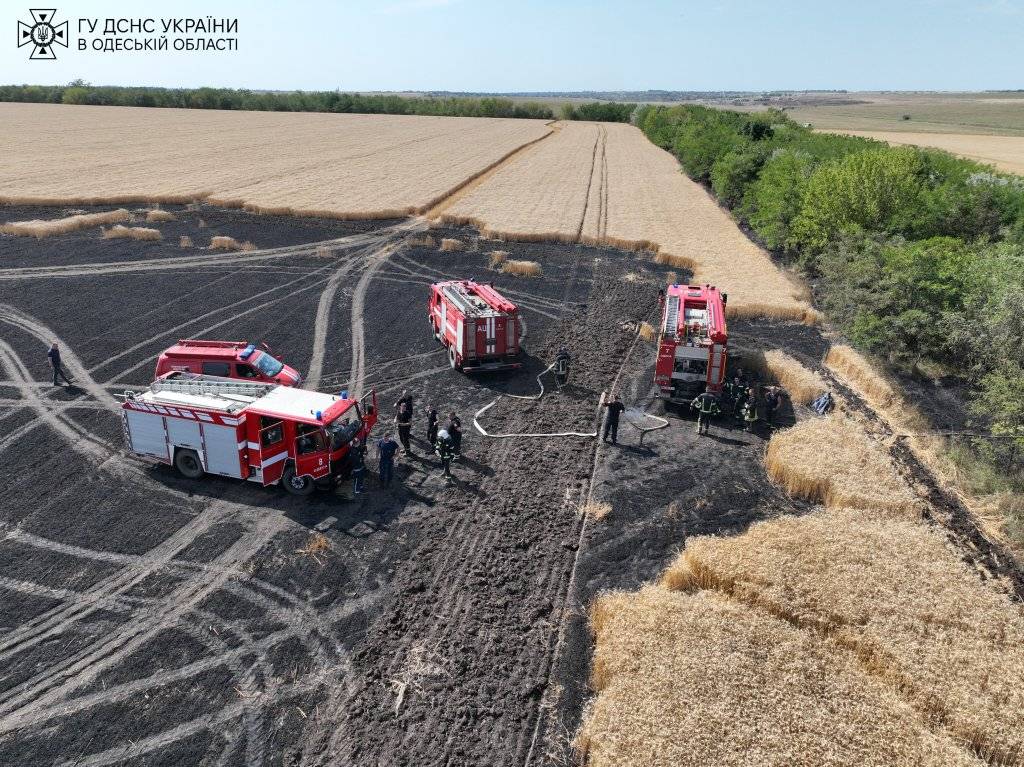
[79, 92]
[917, 255]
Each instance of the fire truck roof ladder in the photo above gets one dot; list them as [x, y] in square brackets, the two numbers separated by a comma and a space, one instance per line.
[469, 304]
[671, 316]
[213, 386]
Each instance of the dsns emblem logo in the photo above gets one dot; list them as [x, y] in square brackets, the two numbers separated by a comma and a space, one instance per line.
[42, 34]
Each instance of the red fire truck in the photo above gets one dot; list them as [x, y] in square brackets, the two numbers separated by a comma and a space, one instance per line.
[227, 359]
[478, 325]
[692, 343]
[261, 432]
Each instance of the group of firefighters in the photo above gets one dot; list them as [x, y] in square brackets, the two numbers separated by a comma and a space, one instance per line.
[445, 442]
[745, 399]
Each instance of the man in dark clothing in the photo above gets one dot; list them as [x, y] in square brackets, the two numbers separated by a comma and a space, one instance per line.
[356, 453]
[454, 428]
[562, 360]
[404, 422]
[386, 449]
[432, 425]
[405, 399]
[772, 401]
[445, 451]
[739, 402]
[611, 421]
[54, 357]
[706, 405]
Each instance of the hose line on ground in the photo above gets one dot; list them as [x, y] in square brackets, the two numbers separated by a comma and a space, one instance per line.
[492, 403]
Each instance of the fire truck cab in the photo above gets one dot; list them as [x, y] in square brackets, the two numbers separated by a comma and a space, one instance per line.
[261, 432]
[227, 359]
[479, 326]
[692, 342]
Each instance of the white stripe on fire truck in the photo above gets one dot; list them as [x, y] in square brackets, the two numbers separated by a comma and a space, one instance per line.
[230, 421]
[243, 444]
[160, 409]
[253, 445]
[275, 459]
[204, 417]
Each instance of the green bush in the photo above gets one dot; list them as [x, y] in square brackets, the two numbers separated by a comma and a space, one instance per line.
[776, 196]
[878, 190]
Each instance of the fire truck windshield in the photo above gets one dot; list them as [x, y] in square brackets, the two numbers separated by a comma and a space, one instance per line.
[269, 366]
[343, 429]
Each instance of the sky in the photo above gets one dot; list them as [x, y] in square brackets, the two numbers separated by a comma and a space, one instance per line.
[555, 45]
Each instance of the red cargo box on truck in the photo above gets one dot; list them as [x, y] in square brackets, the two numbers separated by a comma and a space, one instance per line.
[692, 342]
[478, 325]
[227, 359]
[261, 432]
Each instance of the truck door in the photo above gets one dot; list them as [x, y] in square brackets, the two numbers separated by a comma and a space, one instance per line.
[312, 456]
[268, 449]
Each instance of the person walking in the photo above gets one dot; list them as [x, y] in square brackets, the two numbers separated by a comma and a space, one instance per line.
[432, 425]
[404, 423]
[611, 421]
[357, 455]
[750, 410]
[445, 451]
[707, 407]
[386, 449]
[454, 428]
[54, 358]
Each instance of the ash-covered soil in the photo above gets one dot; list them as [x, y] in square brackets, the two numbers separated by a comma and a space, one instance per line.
[146, 619]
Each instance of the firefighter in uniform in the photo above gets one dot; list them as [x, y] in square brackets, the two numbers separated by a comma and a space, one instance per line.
[739, 402]
[432, 425]
[706, 405]
[750, 410]
[404, 422]
[445, 451]
[454, 430]
[562, 360]
[357, 453]
[611, 421]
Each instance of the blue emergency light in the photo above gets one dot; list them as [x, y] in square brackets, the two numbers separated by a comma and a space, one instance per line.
[344, 394]
[319, 417]
[247, 351]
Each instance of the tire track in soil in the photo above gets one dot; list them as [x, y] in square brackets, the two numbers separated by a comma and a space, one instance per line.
[590, 182]
[374, 259]
[177, 263]
[57, 682]
[519, 532]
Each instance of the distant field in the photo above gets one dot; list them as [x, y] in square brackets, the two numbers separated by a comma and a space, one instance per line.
[974, 113]
[347, 166]
[1005, 152]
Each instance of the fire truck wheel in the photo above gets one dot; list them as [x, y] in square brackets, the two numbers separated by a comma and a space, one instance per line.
[294, 484]
[451, 358]
[188, 465]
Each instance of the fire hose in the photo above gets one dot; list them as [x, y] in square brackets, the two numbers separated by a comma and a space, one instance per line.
[492, 403]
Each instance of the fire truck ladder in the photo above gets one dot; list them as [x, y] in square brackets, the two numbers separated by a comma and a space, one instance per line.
[671, 327]
[211, 386]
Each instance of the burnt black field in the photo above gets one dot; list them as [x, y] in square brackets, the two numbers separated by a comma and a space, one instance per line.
[149, 620]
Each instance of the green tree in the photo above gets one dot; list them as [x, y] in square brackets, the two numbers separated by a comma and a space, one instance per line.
[878, 190]
[775, 198]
